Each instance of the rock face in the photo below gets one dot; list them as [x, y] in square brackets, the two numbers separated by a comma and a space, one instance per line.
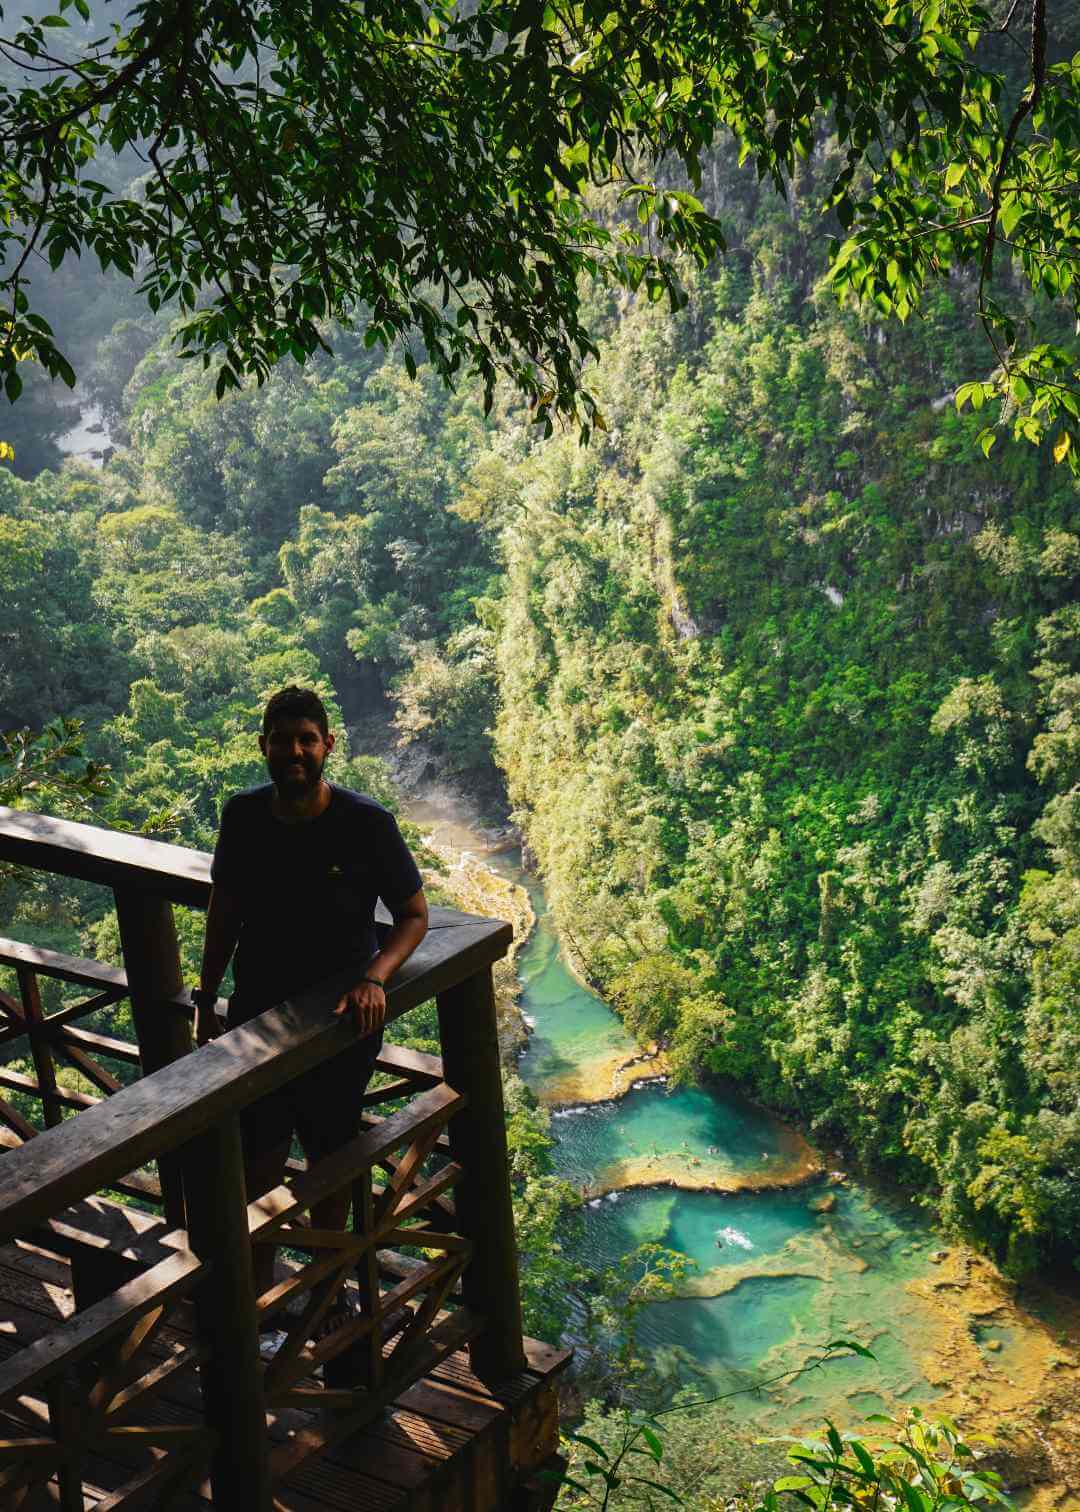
[1023, 1397]
[475, 888]
[825, 1204]
[650, 1065]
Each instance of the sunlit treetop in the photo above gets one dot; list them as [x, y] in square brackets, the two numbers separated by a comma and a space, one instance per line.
[428, 170]
[991, 184]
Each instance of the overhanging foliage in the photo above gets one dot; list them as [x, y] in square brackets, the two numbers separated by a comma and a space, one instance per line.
[435, 169]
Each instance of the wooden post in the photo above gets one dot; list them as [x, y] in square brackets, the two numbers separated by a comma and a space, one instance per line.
[152, 963]
[362, 1364]
[40, 1048]
[232, 1384]
[470, 1051]
[64, 1421]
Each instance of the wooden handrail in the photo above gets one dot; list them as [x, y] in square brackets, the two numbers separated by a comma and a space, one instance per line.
[164, 1110]
[133, 863]
[111, 857]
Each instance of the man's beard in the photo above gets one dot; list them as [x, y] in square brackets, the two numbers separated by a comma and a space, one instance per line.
[292, 785]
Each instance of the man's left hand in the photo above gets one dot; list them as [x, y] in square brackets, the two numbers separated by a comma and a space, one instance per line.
[367, 1004]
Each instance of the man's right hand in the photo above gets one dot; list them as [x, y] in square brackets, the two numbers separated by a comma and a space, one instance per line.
[207, 1026]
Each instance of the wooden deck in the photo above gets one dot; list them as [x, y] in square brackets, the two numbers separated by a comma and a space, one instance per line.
[111, 1390]
[447, 1444]
[130, 1375]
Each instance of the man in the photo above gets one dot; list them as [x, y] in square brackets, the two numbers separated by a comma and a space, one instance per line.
[297, 871]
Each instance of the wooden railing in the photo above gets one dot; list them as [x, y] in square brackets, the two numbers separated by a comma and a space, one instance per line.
[430, 1253]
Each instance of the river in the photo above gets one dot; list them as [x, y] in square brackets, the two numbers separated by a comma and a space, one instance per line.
[777, 1276]
[88, 439]
[790, 1250]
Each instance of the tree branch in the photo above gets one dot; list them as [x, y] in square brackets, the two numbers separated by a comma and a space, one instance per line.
[115, 86]
[1025, 108]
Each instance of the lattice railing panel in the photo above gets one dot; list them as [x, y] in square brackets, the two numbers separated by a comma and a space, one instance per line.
[58, 1042]
[401, 1179]
[55, 1040]
[91, 1391]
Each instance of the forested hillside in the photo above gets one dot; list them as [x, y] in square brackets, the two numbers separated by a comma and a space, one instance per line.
[788, 681]
[786, 697]
[780, 672]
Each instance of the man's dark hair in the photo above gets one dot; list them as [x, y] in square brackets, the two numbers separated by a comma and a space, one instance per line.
[296, 703]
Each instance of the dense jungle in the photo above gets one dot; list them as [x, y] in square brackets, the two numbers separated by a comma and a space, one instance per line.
[780, 673]
[778, 678]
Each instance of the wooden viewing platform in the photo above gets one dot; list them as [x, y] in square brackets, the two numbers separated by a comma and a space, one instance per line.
[129, 1367]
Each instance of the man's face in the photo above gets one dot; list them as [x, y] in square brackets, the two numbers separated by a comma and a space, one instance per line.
[295, 751]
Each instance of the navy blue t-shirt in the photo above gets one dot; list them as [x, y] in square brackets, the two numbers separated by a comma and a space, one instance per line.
[307, 890]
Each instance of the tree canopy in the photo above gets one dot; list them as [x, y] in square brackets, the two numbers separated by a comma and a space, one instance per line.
[446, 174]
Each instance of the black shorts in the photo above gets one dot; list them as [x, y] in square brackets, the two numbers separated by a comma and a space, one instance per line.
[322, 1107]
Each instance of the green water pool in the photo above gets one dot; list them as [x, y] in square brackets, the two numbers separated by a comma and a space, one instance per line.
[686, 1131]
[777, 1278]
[573, 1030]
[787, 1280]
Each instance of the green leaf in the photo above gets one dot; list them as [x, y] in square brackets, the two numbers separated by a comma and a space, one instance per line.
[854, 1346]
[1012, 208]
[914, 1499]
[862, 1455]
[640, 1480]
[226, 379]
[656, 1448]
[590, 1443]
[576, 1485]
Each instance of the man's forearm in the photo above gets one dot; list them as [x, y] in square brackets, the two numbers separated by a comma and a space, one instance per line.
[399, 945]
[222, 933]
[366, 1001]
